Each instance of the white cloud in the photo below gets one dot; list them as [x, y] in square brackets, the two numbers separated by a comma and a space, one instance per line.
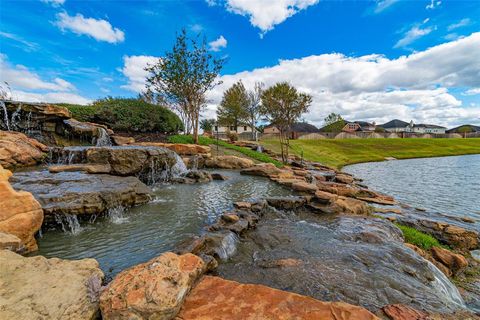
[472, 92]
[25, 45]
[414, 33]
[459, 24]
[266, 14]
[381, 5]
[371, 87]
[134, 70]
[54, 3]
[433, 4]
[218, 44]
[52, 97]
[100, 30]
[197, 28]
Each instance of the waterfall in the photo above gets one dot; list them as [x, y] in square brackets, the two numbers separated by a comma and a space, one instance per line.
[5, 115]
[259, 148]
[443, 284]
[228, 246]
[69, 223]
[194, 166]
[15, 118]
[116, 215]
[103, 139]
[179, 168]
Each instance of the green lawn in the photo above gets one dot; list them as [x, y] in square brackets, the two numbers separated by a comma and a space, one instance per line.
[341, 152]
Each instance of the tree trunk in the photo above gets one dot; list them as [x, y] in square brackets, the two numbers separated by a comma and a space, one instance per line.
[195, 128]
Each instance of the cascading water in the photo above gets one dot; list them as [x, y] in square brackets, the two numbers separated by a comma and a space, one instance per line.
[69, 223]
[103, 139]
[228, 246]
[179, 168]
[444, 285]
[116, 215]
[15, 119]
[5, 115]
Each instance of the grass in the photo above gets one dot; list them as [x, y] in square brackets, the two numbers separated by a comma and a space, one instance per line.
[262, 157]
[341, 152]
[418, 238]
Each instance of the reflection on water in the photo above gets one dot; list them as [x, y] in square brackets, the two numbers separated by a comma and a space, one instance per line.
[448, 185]
[125, 238]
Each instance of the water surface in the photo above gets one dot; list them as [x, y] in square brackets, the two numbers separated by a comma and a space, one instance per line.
[446, 185]
[141, 233]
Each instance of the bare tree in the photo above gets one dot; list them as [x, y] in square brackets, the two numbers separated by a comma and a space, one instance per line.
[255, 98]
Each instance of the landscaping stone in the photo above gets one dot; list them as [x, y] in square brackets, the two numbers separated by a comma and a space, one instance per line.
[228, 162]
[10, 242]
[18, 150]
[456, 263]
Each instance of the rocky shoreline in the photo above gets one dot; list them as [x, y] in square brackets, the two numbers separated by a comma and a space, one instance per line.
[329, 251]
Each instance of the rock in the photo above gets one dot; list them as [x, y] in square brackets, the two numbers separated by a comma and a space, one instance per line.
[221, 245]
[17, 150]
[40, 288]
[281, 263]
[347, 205]
[76, 193]
[199, 176]
[20, 215]
[88, 168]
[10, 242]
[219, 176]
[344, 178]
[46, 111]
[421, 252]
[303, 186]
[456, 263]
[180, 148]
[216, 298]
[121, 140]
[325, 197]
[230, 217]
[229, 162]
[83, 129]
[152, 290]
[286, 203]
[262, 169]
[243, 205]
[403, 312]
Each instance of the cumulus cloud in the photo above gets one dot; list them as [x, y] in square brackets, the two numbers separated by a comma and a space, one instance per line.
[52, 97]
[459, 24]
[472, 92]
[218, 44]
[371, 87]
[414, 33]
[266, 14]
[134, 70]
[100, 30]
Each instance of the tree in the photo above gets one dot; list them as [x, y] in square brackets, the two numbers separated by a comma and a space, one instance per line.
[464, 130]
[207, 124]
[233, 107]
[255, 97]
[283, 105]
[332, 118]
[183, 76]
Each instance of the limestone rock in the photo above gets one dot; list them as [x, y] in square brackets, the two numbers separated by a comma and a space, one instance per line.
[40, 288]
[347, 205]
[20, 215]
[182, 149]
[10, 242]
[121, 140]
[303, 186]
[215, 298]
[229, 162]
[286, 203]
[262, 169]
[45, 110]
[453, 261]
[152, 290]
[18, 150]
[88, 168]
[344, 178]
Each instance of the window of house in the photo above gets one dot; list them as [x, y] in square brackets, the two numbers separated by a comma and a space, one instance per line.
[216, 128]
[244, 128]
[232, 128]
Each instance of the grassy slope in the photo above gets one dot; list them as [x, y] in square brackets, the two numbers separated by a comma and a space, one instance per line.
[341, 152]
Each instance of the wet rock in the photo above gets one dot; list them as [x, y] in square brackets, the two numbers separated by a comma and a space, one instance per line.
[402, 312]
[346, 205]
[262, 170]
[303, 186]
[152, 290]
[180, 148]
[325, 197]
[45, 111]
[20, 214]
[216, 298]
[219, 176]
[221, 245]
[84, 129]
[199, 176]
[88, 168]
[286, 203]
[121, 140]
[228, 162]
[77, 193]
[40, 288]
[456, 263]
[344, 178]
[280, 263]
[230, 217]
[17, 150]
[243, 205]
[10, 242]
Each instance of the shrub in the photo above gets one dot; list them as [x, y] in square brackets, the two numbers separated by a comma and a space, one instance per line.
[232, 136]
[128, 114]
[418, 238]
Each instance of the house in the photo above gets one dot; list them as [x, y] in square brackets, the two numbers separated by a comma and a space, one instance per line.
[227, 129]
[425, 128]
[395, 126]
[298, 129]
[466, 128]
[353, 126]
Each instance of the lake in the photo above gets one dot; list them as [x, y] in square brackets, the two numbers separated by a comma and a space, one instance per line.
[447, 185]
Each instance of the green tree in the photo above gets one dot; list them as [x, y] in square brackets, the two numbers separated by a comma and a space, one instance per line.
[464, 130]
[332, 118]
[207, 124]
[232, 110]
[283, 105]
[183, 76]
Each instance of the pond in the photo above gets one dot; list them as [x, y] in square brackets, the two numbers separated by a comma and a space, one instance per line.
[446, 185]
[129, 237]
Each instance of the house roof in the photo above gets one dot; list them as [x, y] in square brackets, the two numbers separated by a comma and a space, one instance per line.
[394, 124]
[431, 126]
[472, 127]
[300, 127]
[363, 123]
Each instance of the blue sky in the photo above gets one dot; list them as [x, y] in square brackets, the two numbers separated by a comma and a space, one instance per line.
[368, 60]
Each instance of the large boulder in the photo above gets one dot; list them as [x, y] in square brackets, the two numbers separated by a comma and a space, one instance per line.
[40, 288]
[18, 150]
[182, 149]
[263, 170]
[152, 290]
[228, 162]
[10, 242]
[20, 215]
[216, 298]
[453, 261]
[76, 193]
[45, 111]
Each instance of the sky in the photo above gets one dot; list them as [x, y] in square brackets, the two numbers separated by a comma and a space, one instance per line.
[366, 60]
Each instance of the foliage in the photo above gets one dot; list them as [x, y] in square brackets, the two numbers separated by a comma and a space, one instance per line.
[283, 105]
[379, 129]
[334, 127]
[207, 124]
[233, 108]
[128, 114]
[340, 152]
[253, 109]
[332, 118]
[183, 76]
[418, 238]
[232, 136]
[465, 129]
[262, 157]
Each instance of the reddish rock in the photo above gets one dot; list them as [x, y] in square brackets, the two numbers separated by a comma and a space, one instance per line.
[420, 252]
[152, 290]
[230, 217]
[303, 186]
[85, 167]
[454, 262]
[325, 197]
[262, 169]
[122, 141]
[229, 162]
[18, 150]
[10, 242]
[243, 205]
[402, 312]
[347, 205]
[344, 178]
[217, 299]
[20, 214]
[182, 149]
